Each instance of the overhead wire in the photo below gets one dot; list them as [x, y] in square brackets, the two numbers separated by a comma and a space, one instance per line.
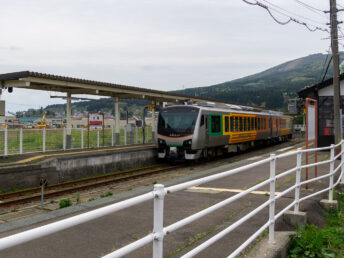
[292, 13]
[311, 8]
[290, 18]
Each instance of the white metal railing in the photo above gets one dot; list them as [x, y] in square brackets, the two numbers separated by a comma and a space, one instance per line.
[20, 141]
[159, 193]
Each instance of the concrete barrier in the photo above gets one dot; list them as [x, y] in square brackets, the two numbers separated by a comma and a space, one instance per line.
[69, 167]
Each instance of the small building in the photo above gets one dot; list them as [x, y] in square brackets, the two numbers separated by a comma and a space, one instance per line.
[323, 93]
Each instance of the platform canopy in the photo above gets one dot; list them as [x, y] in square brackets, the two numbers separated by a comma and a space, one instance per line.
[49, 82]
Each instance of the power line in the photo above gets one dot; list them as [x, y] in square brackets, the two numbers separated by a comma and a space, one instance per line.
[300, 16]
[311, 8]
[290, 18]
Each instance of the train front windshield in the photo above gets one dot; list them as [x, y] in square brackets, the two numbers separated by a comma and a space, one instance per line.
[176, 122]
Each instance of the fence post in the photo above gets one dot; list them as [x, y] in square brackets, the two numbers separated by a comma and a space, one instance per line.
[64, 138]
[112, 139]
[330, 195]
[158, 228]
[44, 137]
[147, 136]
[137, 135]
[272, 199]
[5, 142]
[298, 179]
[97, 139]
[342, 160]
[82, 138]
[21, 141]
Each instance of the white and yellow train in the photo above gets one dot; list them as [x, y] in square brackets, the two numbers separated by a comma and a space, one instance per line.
[209, 129]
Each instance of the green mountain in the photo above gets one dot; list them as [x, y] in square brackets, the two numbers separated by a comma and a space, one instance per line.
[271, 88]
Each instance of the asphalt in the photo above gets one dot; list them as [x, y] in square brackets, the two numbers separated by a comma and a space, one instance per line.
[103, 235]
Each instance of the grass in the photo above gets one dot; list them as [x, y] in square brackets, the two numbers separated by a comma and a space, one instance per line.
[106, 195]
[326, 242]
[65, 203]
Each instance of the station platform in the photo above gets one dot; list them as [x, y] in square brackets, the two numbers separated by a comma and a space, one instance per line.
[25, 171]
[102, 236]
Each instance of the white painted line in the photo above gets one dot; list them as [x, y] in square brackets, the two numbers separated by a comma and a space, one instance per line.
[288, 148]
[219, 190]
[255, 158]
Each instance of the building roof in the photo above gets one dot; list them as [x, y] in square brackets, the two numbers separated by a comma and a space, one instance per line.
[305, 92]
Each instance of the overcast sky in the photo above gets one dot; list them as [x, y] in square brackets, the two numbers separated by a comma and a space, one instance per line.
[156, 44]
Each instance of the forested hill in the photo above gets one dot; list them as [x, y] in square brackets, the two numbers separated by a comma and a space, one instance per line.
[270, 88]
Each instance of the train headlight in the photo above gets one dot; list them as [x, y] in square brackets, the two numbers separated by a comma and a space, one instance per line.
[187, 143]
[161, 142]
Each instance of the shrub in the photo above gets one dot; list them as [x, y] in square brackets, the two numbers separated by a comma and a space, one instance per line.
[65, 203]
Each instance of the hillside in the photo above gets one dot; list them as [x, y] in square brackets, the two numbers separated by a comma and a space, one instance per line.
[270, 88]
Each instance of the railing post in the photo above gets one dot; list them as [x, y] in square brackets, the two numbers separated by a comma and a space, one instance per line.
[64, 138]
[298, 179]
[330, 195]
[125, 136]
[147, 137]
[112, 138]
[158, 230]
[272, 199]
[137, 135]
[82, 138]
[21, 141]
[44, 137]
[5, 142]
[342, 160]
[97, 139]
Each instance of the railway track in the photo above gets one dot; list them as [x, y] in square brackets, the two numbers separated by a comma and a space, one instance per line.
[34, 194]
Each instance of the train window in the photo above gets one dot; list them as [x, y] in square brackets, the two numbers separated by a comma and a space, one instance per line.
[251, 124]
[216, 124]
[232, 124]
[202, 120]
[240, 124]
[206, 122]
[226, 124]
[244, 124]
[236, 126]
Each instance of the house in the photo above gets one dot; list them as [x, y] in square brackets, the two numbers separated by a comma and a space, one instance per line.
[323, 93]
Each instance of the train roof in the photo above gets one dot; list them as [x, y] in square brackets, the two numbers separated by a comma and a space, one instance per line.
[221, 107]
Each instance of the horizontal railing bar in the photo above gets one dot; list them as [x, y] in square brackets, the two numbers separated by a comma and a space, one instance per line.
[210, 209]
[286, 173]
[48, 229]
[313, 194]
[316, 164]
[131, 247]
[316, 149]
[284, 210]
[226, 231]
[314, 179]
[338, 156]
[285, 192]
[249, 241]
[208, 179]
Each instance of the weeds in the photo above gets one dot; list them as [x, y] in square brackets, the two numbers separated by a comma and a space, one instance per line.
[326, 242]
[106, 195]
[65, 203]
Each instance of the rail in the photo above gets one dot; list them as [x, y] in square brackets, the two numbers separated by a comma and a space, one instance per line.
[159, 193]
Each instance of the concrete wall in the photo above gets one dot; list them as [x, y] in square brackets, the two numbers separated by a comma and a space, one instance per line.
[67, 168]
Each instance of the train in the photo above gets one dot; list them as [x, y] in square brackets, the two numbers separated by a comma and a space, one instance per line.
[207, 129]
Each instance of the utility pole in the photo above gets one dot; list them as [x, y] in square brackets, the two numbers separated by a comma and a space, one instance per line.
[335, 58]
